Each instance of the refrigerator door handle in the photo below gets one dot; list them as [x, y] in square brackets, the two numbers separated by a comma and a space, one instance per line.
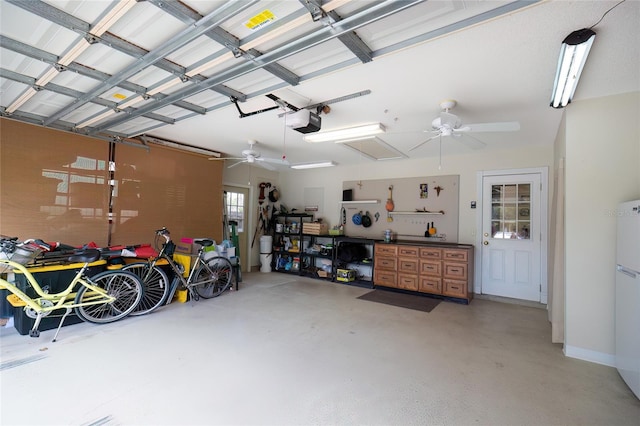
[633, 274]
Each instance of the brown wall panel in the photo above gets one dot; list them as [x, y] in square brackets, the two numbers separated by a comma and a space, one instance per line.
[54, 185]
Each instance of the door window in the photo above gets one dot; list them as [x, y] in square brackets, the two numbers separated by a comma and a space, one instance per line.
[510, 211]
[235, 209]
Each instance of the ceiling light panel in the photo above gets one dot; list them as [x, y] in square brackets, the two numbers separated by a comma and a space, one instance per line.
[374, 148]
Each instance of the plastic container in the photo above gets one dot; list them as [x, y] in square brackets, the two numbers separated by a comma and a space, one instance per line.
[265, 262]
[266, 244]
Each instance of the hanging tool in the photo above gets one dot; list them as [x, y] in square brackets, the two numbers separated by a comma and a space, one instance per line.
[390, 206]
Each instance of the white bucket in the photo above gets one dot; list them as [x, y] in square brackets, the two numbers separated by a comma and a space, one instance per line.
[266, 243]
[265, 262]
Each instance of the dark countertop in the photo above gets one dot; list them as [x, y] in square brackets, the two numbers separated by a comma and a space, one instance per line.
[448, 244]
[425, 243]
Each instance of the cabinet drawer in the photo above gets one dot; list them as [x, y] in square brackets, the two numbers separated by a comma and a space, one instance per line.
[431, 285]
[408, 282]
[408, 265]
[456, 254]
[386, 263]
[454, 288]
[430, 267]
[386, 250]
[408, 251]
[430, 253]
[385, 278]
[455, 270]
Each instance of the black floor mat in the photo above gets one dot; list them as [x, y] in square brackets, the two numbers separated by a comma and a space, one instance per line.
[402, 300]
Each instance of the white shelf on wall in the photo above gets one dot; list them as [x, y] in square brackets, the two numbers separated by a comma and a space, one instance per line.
[415, 213]
[362, 202]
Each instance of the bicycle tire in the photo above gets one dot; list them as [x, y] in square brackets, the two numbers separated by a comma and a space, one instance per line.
[125, 286]
[219, 272]
[156, 287]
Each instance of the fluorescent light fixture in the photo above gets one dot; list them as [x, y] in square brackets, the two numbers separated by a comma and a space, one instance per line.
[351, 133]
[573, 54]
[314, 165]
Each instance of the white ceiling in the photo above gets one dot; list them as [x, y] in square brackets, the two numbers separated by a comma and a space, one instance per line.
[496, 58]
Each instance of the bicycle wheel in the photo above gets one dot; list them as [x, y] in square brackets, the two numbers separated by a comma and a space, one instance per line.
[125, 286]
[156, 287]
[215, 276]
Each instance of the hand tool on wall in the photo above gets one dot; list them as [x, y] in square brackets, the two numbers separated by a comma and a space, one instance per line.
[390, 206]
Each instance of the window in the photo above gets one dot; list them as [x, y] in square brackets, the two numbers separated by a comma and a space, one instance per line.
[510, 211]
[235, 209]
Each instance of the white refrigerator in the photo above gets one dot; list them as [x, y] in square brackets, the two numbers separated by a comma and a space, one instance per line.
[628, 294]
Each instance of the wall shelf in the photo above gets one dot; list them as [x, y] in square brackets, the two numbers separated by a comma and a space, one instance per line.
[415, 213]
[362, 202]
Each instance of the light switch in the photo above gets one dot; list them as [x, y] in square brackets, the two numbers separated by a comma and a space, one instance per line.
[473, 204]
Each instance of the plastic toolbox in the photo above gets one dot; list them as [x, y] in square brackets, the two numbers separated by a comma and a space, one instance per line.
[53, 279]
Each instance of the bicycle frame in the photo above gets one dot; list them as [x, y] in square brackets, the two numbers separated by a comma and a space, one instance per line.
[61, 300]
[188, 283]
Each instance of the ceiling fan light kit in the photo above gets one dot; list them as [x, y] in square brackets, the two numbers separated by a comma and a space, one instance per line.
[350, 133]
[573, 55]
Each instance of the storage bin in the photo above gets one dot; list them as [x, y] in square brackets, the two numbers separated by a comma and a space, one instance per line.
[55, 279]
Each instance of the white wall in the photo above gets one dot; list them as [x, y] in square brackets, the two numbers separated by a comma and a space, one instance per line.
[602, 169]
[292, 183]
[466, 166]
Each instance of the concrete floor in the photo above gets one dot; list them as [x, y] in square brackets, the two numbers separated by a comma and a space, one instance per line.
[299, 351]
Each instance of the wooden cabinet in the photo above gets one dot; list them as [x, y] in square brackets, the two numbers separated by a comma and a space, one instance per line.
[427, 269]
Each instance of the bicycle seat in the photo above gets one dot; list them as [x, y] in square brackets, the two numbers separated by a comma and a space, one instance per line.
[85, 256]
[205, 242]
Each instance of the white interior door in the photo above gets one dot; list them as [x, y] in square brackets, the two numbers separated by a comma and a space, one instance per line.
[511, 236]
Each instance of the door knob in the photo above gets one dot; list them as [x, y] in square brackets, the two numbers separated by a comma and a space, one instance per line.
[486, 243]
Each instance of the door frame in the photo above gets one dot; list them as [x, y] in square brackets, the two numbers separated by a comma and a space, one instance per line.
[544, 224]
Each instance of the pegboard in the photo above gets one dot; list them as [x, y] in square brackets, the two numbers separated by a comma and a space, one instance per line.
[431, 193]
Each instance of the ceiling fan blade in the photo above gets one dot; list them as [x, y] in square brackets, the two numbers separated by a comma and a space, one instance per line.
[265, 165]
[422, 143]
[506, 126]
[471, 142]
[235, 164]
[225, 158]
[273, 161]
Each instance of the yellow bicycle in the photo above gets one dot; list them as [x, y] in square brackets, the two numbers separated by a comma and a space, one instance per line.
[103, 298]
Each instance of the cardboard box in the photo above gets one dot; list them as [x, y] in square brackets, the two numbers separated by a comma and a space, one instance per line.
[315, 228]
[346, 275]
[184, 248]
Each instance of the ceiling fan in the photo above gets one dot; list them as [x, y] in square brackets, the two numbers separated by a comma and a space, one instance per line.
[448, 124]
[251, 156]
